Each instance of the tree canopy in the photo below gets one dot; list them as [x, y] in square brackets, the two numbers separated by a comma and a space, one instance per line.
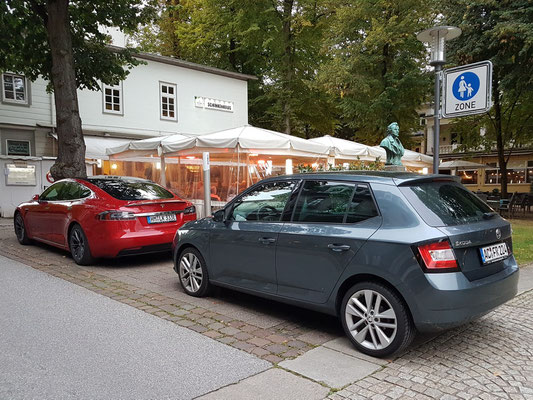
[500, 31]
[63, 42]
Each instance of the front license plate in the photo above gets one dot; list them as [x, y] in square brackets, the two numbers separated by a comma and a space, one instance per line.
[161, 218]
[494, 253]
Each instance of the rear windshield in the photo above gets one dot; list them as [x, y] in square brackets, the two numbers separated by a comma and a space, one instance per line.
[132, 190]
[445, 203]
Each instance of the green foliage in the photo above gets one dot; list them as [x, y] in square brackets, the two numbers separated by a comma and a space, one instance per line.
[500, 31]
[376, 67]
[277, 41]
[24, 47]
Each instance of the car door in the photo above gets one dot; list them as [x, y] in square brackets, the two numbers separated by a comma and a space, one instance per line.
[243, 248]
[39, 217]
[331, 221]
[71, 196]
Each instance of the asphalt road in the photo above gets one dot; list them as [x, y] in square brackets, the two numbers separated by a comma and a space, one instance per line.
[61, 341]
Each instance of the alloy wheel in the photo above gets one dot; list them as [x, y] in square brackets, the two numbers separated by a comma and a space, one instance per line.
[191, 272]
[19, 228]
[77, 244]
[371, 319]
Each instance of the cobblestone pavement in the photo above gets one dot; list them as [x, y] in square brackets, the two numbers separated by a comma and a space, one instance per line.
[489, 358]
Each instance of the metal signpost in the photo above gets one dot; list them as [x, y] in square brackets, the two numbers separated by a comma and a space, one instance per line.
[467, 90]
[207, 183]
[437, 37]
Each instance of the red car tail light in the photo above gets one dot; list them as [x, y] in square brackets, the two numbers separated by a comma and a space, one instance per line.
[115, 216]
[438, 256]
[190, 210]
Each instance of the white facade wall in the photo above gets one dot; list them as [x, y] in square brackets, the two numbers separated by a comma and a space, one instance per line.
[37, 112]
[141, 109]
[141, 113]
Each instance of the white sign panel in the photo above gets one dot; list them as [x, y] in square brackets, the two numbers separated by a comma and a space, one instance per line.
[20, 175]
[213, 104]
[467, 90]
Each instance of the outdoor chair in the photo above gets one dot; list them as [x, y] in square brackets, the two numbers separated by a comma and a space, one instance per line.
[507, 205]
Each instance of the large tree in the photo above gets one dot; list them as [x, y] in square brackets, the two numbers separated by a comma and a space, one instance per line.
[277, 40]
[376, 68]
[500, 31]
[62, 41]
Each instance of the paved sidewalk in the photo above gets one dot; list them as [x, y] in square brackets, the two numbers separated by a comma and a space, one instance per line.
[489, 358]
[60, 341]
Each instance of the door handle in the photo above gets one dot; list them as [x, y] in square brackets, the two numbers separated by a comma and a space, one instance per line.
[266, 240]
[338, 247]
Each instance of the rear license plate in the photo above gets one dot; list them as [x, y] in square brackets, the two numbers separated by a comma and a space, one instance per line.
[494, 253]
[161, 218]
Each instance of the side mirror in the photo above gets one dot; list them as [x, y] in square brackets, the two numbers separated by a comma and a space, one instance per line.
[218, 216]
[35, 197]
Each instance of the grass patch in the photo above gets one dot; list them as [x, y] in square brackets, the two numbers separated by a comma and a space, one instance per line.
[522, 240]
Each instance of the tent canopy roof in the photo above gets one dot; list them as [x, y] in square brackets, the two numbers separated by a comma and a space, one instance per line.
[460, 164]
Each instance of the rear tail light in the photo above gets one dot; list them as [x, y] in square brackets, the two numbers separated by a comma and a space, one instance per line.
[116, 216]
[190, 210]
[438, 256]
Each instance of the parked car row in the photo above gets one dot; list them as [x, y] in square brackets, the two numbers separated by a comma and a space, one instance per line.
[389, 253]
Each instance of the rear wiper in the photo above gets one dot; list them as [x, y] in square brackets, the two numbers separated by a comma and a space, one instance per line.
[489, 215]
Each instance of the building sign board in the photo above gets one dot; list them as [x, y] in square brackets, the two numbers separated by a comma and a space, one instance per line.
[213, 104]
[18, 147]
[20, 175]
[467, 90]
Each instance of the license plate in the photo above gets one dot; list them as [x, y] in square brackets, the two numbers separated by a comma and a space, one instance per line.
[161, 218]
[494, 253]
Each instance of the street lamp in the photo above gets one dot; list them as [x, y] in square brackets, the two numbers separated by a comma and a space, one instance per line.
[436, 37]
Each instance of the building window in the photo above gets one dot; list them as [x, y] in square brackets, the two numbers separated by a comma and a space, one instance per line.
[469, 177]
[14, 89]
[529, 172]
[167, 96]
[514, 175]
[113, 99]
[18, 147]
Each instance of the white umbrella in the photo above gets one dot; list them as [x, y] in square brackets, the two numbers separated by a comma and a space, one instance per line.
[346, 149]
[461, 164]
[249, 139]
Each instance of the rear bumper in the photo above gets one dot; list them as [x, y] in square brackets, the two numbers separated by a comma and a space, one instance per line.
[112, 241]
[450, 299]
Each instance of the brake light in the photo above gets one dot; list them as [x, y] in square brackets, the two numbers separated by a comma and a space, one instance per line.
[116, 216]
[438, 256]
[190, 210]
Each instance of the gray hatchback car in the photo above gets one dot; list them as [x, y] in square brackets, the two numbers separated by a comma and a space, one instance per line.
[388, 253]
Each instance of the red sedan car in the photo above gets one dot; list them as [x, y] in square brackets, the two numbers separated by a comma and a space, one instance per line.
[103, 216]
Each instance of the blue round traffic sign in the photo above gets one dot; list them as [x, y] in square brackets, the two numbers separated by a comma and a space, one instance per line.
[465, 86]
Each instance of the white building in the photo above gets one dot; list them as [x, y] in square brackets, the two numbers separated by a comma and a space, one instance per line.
[161, 97]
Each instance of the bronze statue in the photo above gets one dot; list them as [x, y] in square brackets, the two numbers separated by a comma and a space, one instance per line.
[392, 145]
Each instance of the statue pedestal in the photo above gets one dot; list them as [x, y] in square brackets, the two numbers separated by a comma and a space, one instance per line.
[395, 168]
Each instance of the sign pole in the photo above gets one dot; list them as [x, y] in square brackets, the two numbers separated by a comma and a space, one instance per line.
[436, 123]
[207, 184]
[436, 37]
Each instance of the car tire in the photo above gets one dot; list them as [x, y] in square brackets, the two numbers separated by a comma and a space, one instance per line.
[79, 246]
[192, 271]
[382, 329]
[20, 229]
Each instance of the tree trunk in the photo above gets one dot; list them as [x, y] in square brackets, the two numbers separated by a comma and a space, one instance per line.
[71, 155]
[288, 64]
[499, 137]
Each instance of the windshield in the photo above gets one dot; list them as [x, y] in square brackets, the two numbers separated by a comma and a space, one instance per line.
[445, 203]
[122, 189]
